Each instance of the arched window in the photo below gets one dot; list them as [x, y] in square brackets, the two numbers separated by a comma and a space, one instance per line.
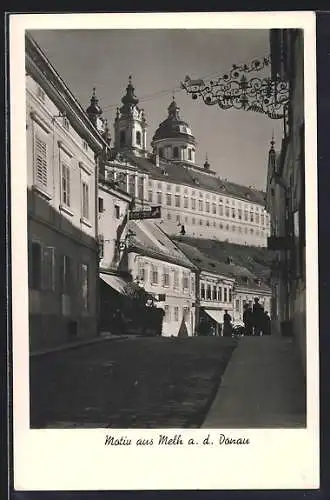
[138, 138]
[175, 152]
[122, 138]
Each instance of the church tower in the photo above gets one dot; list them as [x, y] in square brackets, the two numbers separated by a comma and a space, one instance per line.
[130, 124]
[94, 113]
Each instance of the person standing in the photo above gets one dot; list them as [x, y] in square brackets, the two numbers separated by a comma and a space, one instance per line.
[257, 317]
[266, 324]
[247, 320]
[227, 326]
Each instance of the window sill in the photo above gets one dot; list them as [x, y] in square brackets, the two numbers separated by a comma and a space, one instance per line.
[86, 222]
[42, 191]
[67, 210]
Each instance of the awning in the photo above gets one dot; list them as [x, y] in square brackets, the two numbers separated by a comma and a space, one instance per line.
[115, 282]
[215, 314]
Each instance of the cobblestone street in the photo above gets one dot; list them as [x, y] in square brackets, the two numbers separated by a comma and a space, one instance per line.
[129, 383]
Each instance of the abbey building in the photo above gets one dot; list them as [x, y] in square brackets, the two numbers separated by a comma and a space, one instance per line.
[194, 200]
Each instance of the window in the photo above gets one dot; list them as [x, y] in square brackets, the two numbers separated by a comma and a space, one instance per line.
[227, 211]
[239, 213]
[176, 280]
[161, 152]
[225, 294]
[233, 213]
[85, 145]
[122, 138]
[200, 222]
[140, 188]
[220, 294]
[138, 138]
[41, 169]
[150, 195]
[167, 316]
[131, 185]
[214, 208]
[85, 200]
[189, 154]
[221, 225]
[177, 200]
[178, 217]
[207, 206]
[185, 202]
[200, 205]
[193, 220]
[203, 291]
[229, 295]
[168, 199]
[185, 281]
[101, 205]
[220, 209]
[65, 185]
[166, 278]
[66, 275]
[193, 283]
[257, 218]
[176, 313]
[245, 215]
[154, 275]
[208, 292]
[159, 198]
[262, 220]
[193, 203]
[214, 293]
[35, 270]
[169, 216]
[207, 222]
[117, 211]
[176, 152]
[237, 305]
[142, 271]
[251, 216]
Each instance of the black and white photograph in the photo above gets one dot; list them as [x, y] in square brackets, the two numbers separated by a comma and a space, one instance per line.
[166, 264]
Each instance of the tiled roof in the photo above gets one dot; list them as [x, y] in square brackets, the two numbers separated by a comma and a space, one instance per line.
[152, 241]
[181, 174]
[252, 262]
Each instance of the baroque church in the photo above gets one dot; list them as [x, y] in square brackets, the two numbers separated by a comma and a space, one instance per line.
[194, 200]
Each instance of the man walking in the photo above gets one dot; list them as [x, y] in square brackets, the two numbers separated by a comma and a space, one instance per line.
[257, 313]
[247, 320]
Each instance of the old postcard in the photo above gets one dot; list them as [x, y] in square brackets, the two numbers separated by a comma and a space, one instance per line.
[164, 251]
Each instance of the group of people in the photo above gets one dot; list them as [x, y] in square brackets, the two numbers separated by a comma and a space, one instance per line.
[256, 320]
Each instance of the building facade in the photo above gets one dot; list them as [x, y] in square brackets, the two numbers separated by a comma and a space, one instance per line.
[158, 265]
[286, 192]
[193, 199]
[63, 151]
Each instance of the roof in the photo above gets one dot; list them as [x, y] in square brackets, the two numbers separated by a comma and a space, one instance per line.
[173, 126]
[250, 262]
[181, 174]
[204, 262]
[149, 239]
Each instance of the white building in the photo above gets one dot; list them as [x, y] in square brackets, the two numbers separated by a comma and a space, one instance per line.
[160, 267]
[63, 152]
[194, 200]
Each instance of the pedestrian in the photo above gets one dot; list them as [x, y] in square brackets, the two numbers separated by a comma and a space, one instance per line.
[227, 326]
[247, 320]
[118, 322]
[266, 324]
[257, 314]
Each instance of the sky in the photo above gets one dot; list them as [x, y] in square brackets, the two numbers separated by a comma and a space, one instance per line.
[235, 142]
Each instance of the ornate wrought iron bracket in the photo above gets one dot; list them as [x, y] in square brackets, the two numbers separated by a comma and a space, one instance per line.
[239, 90]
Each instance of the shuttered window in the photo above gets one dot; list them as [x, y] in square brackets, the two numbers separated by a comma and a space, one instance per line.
[65, 185]
[41, 162]
[85, 200]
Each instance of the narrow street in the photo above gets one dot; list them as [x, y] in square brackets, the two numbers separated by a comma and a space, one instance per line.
[130, 383]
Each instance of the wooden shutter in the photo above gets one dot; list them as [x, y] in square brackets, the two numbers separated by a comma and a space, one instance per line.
[41, 161]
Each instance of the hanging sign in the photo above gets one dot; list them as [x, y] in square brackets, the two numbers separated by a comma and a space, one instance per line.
[153, 213]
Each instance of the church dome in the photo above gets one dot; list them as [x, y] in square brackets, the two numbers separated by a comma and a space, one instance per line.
[94, 109]
[174, 127]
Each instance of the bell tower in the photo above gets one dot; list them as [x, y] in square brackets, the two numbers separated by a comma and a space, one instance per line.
[130, 124]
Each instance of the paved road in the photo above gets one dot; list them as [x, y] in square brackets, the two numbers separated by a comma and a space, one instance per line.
[138, 382]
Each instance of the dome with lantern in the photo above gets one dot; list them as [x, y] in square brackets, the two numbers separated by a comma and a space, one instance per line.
[173, 138]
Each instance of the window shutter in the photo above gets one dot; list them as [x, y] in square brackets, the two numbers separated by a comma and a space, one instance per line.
[41, 161]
